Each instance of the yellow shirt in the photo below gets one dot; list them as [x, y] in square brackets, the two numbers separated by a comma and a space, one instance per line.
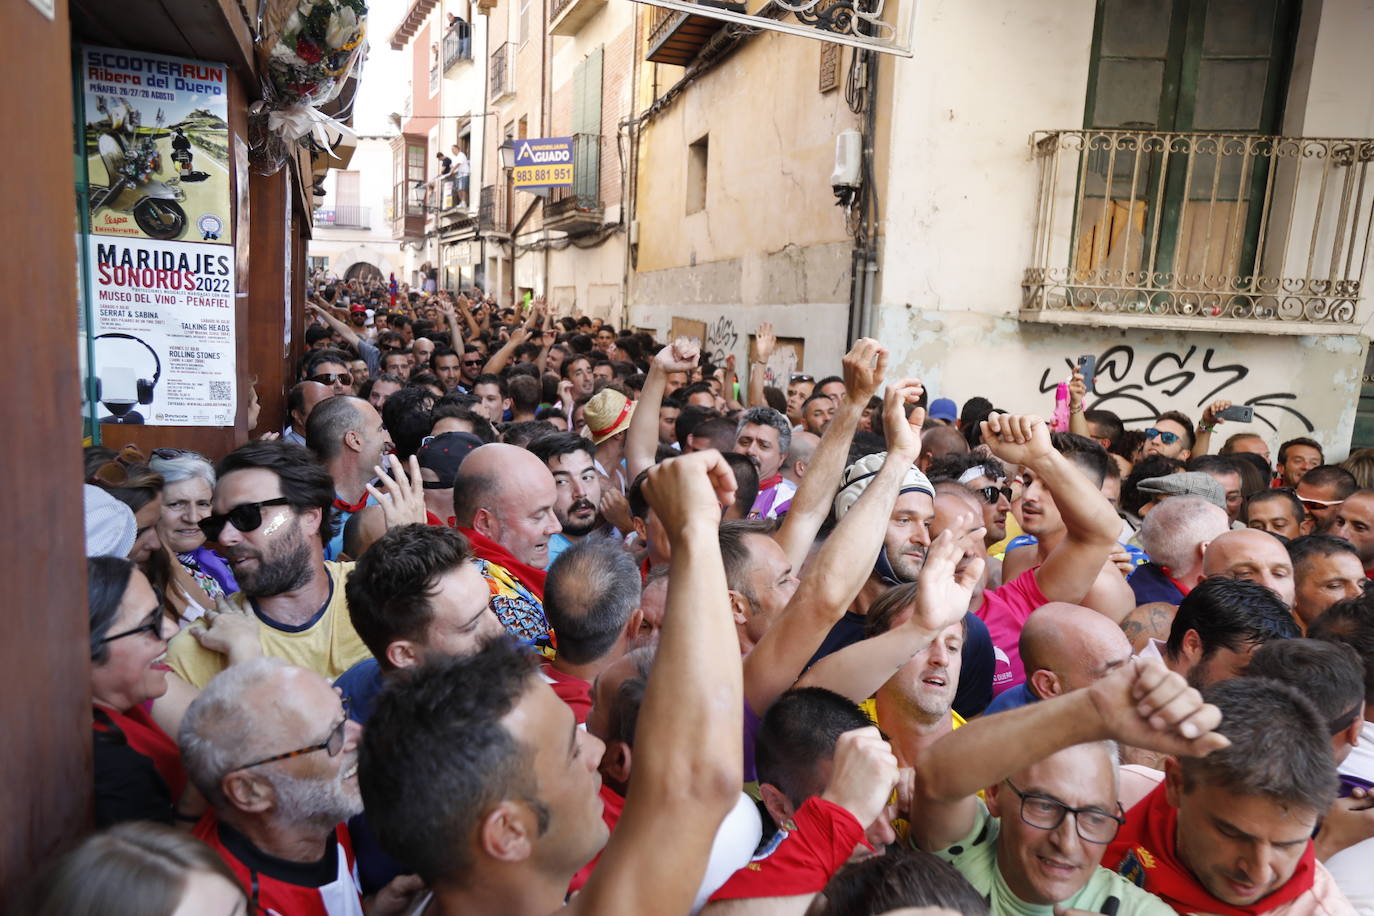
[327, 645]
[998, 550]
[870, 709]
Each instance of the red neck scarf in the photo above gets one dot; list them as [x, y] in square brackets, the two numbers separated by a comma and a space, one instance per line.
[487, 549]
[350, 508]
[770, 482]
[1145, 853]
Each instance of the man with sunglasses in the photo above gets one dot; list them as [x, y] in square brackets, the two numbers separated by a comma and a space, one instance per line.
[272, 516]
[1171, 435]
[1050, 780]
[329, 368]
[271, 747]
[1321, 491]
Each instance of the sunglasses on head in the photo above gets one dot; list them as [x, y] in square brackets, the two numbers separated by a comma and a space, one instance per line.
[329, 378]
[991, 494]
[245, 517]
[801, 377]
[1166, 437]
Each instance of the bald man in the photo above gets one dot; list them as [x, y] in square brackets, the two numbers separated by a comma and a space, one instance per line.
[1258, 556]
[503, 500]
[300, 402]
[799, 455]
[1064, 647]
[939, 442]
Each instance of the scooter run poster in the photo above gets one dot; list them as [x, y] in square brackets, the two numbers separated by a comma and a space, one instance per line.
[161, 238]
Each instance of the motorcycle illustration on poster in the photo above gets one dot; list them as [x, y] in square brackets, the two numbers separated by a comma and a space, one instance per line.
[161, 238]
[157, 146]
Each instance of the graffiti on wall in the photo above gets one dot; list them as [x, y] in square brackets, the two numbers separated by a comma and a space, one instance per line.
[721, 339]
[1134, 386]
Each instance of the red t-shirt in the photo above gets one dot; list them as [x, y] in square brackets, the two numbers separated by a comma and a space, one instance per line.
[147, 737]
[574, 691]
[276, 887]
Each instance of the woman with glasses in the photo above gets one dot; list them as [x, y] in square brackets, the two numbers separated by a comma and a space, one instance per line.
[198, 575]
[138, 771]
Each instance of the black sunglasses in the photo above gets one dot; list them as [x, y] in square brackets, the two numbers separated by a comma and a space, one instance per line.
[328, 378]
[472, 362]
[992, 493]
[154, 626]
[800, 377]
[244, 517]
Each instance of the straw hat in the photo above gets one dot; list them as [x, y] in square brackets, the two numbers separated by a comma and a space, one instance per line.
[607, 413]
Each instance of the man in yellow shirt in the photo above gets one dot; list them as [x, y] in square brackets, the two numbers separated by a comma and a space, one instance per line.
[272, 516]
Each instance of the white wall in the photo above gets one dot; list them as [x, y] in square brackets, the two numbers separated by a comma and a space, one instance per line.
[960, 209]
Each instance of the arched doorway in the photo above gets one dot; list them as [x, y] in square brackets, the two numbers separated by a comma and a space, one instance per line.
[365, 272]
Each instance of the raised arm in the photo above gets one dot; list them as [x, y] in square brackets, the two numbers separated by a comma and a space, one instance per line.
[1120, 707]
[1202, 441]
[1090, 521]
[641, 440]
[1078, 424]
[942, 600]
[764, 343]
[865, 366]
[339, 327]
[689, 744]
[466, 314]
[841, 566]
[517, 337]
[455, 332]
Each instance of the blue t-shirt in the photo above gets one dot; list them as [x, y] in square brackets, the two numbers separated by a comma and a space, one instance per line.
[1015, 698]
[1150, 583]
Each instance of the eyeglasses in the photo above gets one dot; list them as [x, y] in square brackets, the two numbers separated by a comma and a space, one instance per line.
[153, 626]
[472, 362]
[1045, 813]
[245, 517]
[991, 494]
[332, 745]
[1165, 437]
[329, 378]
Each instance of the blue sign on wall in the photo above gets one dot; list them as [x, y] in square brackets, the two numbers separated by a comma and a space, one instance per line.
[543, 162]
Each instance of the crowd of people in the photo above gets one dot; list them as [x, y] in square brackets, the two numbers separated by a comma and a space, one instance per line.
[515, 613]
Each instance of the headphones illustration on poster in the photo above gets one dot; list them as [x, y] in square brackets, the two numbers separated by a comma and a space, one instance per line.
[119, 388]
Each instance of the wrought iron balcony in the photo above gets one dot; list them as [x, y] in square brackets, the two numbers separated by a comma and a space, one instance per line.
[676, 37]
[1259, 233]
[501, 81]
[493, 214]
[457, 44]
[344, 216]
[578, 209]
[566, 17]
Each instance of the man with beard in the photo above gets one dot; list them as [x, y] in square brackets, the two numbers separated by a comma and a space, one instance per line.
[277, 807]
[271, 519]
[763, 436]
[571, 460]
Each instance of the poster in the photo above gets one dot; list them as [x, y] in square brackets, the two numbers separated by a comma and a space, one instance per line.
[161, 252]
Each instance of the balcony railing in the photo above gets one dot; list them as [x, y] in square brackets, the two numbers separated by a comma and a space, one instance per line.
[579, 208]
[408, 210]
[502, 77]
[434, 78]
[566, 17]
[457, 44]
[1149, 227]
[493, 217]
[345, 216]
